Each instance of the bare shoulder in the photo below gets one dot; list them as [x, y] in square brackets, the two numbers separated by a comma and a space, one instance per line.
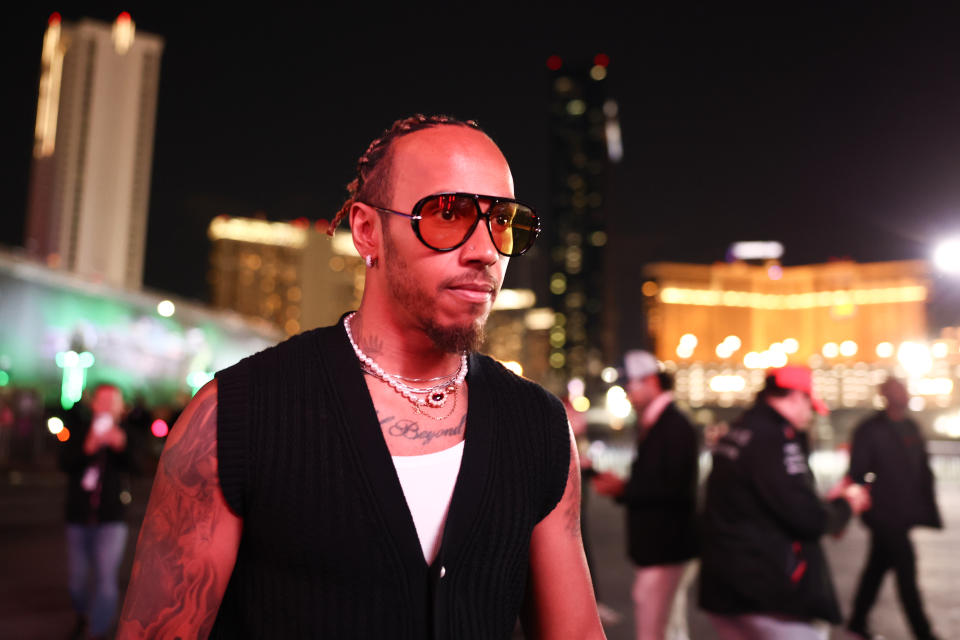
[560, 601]
[189, 538]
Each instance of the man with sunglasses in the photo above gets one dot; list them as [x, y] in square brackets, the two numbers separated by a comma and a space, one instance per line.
[379, 478]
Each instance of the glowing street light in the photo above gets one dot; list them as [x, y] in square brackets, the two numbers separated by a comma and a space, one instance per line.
[947, 256]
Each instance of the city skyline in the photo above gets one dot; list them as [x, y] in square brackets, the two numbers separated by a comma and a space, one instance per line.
[831, 130]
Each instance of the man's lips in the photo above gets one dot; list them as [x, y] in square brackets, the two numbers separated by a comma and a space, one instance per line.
[477, 291]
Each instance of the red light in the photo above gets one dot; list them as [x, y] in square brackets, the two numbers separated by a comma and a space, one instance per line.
[64, 435]
[301, 223]
[123, 17]
[54, 18]
[601, 59]
[554, 62]
[159, 428]
[321, 225]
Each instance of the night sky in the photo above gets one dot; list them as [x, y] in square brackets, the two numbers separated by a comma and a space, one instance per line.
[834, 128]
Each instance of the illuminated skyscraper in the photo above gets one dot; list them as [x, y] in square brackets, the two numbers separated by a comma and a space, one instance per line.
[585, 139]
[93, 148]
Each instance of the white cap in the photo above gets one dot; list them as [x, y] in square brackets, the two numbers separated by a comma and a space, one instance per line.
[639, 364]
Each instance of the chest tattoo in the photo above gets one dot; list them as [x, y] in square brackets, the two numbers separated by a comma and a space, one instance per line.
[409, 429]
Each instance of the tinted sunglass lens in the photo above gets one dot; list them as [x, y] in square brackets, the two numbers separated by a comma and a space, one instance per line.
[513, 226]
[446, 220]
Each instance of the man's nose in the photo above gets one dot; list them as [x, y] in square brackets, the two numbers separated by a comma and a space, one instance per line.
[479, 246]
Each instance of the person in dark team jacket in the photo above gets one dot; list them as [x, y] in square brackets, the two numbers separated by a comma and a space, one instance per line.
[379, 478]
[889, 453]
[763, 573]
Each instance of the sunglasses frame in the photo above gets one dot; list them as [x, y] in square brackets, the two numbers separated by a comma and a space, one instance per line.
[415, 218]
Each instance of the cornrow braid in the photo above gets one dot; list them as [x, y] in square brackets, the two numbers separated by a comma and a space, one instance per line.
[372, 179]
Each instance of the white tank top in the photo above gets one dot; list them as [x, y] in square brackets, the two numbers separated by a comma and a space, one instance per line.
[428, 482]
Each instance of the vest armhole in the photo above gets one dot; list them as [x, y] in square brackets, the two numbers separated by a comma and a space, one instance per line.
[233, 414]
[557, 438]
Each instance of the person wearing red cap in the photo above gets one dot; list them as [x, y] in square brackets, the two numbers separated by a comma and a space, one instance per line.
[763, 573]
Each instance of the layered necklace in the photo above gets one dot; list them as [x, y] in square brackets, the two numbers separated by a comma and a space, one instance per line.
[434, 396]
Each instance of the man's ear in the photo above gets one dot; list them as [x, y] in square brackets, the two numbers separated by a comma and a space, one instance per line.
[365, 227]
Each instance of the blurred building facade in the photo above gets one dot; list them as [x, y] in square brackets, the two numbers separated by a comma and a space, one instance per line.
[719, 327]
[93, 149]
[584, 140]
[845, 304]
[291, 274]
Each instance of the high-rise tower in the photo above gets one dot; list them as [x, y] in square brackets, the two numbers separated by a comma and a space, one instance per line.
[93, 148]
[585, 138]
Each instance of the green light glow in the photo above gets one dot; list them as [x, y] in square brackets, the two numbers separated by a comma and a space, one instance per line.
[197, 379]
[4, 378]
[74, 367]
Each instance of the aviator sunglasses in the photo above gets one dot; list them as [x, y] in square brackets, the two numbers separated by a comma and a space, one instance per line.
[444, 221]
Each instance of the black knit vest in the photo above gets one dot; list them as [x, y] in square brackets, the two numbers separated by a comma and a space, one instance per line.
[329, 549]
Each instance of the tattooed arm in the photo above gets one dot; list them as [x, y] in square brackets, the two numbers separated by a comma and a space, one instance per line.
[189, 538]
[560, 601]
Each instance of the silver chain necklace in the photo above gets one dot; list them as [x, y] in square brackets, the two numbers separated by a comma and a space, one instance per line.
[434, 396]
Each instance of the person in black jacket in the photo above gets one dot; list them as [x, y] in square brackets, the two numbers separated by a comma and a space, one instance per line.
[660, 496]
[888, 452]
[763, 574]
[96, 460]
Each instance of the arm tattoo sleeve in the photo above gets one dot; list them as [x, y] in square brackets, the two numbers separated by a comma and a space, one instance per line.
[175, 588]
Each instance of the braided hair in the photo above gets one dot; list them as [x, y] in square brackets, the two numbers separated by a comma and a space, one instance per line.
[372, 181]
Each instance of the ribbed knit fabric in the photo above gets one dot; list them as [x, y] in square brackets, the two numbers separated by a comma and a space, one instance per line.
[329, 549]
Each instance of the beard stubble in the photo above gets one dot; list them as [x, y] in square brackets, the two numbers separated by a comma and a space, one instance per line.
[411, 296]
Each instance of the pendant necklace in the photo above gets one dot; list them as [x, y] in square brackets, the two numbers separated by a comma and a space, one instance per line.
[434, 396]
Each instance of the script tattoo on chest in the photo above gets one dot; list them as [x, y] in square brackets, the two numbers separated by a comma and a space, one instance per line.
[412, 430]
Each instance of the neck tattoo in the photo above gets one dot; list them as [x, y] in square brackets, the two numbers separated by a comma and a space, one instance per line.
[434, 397]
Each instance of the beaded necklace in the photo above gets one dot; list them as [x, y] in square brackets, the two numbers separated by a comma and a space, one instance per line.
[434, 396]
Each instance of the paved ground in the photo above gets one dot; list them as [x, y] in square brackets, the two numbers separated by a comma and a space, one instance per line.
[34, 602]
[938, 562]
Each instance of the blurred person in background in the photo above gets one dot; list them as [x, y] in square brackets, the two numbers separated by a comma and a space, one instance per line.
[763, 574]
[889, 456]
[661, 500]
[379, 478]
[96, 460]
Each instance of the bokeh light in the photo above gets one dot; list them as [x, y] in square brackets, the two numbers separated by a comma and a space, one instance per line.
[159, 428]
[617, 402]
[915, 358]
[55, 425]
[885, 350]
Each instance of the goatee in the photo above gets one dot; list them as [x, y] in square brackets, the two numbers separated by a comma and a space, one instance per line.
[456, 339]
